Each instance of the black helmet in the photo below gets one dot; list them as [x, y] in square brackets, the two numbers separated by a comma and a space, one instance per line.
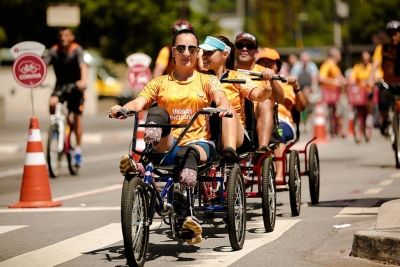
[180, 25]
[393, 25]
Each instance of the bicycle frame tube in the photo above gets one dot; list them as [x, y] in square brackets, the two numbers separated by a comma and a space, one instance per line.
[58, 118]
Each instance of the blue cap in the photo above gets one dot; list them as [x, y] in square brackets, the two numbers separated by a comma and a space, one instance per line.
[211, 43]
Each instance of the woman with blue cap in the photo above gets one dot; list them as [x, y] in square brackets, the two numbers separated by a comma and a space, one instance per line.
[219, 58]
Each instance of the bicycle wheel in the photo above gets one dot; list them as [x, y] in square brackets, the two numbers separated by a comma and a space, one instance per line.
[236, 202]
[73, 168]
[53, 157]
[268, 188]
[395, 139]
[134, 217]
[314, 174]
[358, 125]
[294, 182]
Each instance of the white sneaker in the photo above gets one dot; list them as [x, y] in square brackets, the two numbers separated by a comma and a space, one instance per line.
[369, 121]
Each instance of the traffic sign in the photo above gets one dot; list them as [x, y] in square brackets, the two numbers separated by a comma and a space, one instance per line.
[29, 70]
[138, 76]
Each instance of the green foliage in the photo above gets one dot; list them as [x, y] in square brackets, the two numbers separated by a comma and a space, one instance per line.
[119, 28]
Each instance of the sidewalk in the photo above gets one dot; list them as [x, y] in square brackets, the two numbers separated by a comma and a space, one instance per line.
[383, 243]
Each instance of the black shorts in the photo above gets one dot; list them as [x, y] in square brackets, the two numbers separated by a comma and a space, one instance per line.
[386, 96]
[74, 99]
[247, 145]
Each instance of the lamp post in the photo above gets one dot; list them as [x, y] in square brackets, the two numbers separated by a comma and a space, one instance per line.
[341, 12]
[301, 17]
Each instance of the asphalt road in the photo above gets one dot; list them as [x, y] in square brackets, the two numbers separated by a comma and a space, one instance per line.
[85, 231]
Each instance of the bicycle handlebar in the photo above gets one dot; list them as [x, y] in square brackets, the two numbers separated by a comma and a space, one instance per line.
[259, 74]
[126, 112]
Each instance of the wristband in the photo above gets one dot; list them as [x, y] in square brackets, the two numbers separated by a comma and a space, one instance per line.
[296, 91]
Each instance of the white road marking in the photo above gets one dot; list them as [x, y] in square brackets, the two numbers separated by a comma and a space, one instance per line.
[373, 191]
[386, 182]
[9, 148]
[395, 175]
[8, 228]
[357, 212]
[91, 159]
[228, 257]
[69, 249]
[29, 210]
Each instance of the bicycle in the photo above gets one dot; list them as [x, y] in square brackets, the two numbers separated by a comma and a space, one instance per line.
[358, 98]
[59, 140]
[141, 197]
[394, 116]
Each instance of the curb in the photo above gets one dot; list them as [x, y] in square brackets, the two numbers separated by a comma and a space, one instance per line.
[383, 243]
[377, 245]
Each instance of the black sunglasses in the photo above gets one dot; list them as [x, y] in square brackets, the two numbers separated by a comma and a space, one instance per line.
[209, 53]
[182, 48]
[242, 45]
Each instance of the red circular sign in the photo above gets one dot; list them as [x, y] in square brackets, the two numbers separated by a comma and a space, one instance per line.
[29, 70]
[138, 76]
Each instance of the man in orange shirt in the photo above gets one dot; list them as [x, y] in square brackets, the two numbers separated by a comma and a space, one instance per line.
[294, 97]
[246, 55]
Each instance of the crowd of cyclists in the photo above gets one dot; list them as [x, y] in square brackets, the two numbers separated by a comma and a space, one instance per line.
[190, 75]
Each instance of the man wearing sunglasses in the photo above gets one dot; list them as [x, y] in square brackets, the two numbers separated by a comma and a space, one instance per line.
[246, 56]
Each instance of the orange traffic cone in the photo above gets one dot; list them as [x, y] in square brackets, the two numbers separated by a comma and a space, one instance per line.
[139, 138]
[319, 124]
[350, 129]
[35, 188]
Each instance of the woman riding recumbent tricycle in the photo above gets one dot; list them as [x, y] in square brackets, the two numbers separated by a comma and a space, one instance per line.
[176, 205]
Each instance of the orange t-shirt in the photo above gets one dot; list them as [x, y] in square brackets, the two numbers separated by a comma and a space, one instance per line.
[182, 99]
[388, 67]
[285, 114]
[237, 92]
[329, 69]
[360, 74]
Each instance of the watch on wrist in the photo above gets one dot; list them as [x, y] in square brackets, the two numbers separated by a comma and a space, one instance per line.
[297, 90]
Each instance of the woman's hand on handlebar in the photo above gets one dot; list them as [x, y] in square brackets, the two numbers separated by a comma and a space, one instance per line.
[113, 112]
[225, 112]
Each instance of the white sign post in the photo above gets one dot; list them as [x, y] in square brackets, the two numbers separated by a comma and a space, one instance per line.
[29, 68]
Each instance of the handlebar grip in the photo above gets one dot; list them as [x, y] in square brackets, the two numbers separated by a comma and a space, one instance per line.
[279, 78]
[233, 81]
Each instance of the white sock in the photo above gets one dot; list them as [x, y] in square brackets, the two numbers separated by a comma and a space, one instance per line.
[78, 150]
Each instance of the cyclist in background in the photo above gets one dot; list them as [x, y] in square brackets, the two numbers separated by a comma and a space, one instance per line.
[387, 57]
[331, 77]
[246, 55]
[69, 67]
[360, 76]
[165, 62]
[294, 98]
